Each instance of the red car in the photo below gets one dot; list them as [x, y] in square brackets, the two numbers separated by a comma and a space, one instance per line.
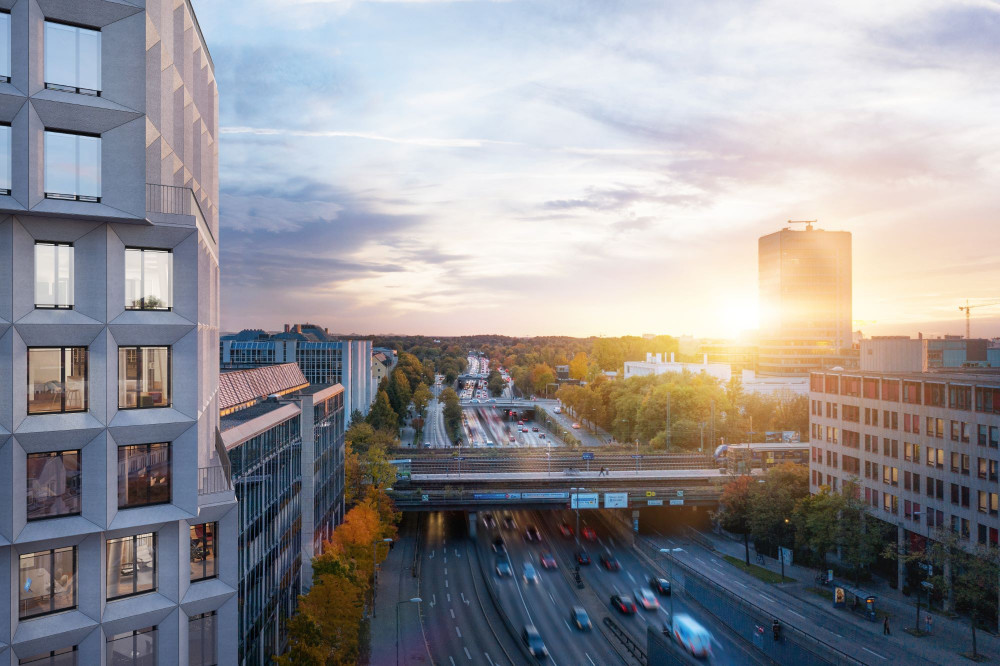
[547, 561]
[609, 562]
[589, 534]
[623, 604]
[566, 530]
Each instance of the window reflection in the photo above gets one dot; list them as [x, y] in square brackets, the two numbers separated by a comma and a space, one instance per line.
[201, 640]
[5, 156]
[148, 279]
[53, 275]
[72, 167]
[63, 657]
[57, 379]
[203, 551]
[47, 582]
[143, 475]
[133, 648]
[4, 46]
[131, 565]
[53, 484]
[72, 58]
[143, 377]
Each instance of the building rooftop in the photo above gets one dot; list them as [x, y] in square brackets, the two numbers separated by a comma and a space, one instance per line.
[980, 375]
[244, 387]
[247, 414]
[313, 389]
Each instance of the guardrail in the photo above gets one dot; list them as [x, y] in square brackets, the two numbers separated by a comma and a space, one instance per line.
[633, 648]
[556, 463]
[213, 479]
[174, 200]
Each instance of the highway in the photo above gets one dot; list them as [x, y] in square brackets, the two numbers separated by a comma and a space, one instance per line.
[546, 604]
[459, 619]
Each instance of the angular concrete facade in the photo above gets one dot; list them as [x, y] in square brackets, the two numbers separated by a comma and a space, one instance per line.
[156, 118]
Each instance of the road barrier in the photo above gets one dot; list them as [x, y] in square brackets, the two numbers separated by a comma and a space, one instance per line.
[633, 648]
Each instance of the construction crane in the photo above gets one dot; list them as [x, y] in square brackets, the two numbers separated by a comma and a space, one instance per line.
[809, 223]
[968, 307]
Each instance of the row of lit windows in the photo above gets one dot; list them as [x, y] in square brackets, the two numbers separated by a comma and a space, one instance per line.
[148, 277]
[984, 399]
[49, 578]
[958, 431]
[58, 378]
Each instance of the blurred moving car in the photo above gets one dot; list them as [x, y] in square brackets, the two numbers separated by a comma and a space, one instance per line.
[508, 522]
[580, 618]
[646, 599]
[609, 562]
[582, 558]
[660, 585]
[589, 534]
[547, 561]
[503, 568]
[488, 520]
[565, 530]
[576, 426]
[691, 636]
[498, 544]
[536, 646]
[623, 604]
[531, 533]
[530, 575]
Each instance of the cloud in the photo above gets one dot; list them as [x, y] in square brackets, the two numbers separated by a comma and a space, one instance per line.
[422, 142]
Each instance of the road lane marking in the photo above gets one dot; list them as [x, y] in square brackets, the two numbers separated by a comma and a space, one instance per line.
[431, 556]
[449, 597]
[434, 599]
[457, 554]
[567, 624]
[452, 611]
[588, 657]
[630, 576]
[870, 652]
[467, 653]
[794, 613]
[552, 599]
[488, 658]
[452, 660]
[458, 631]
[466, 601]
[446, 582]
[446, 571]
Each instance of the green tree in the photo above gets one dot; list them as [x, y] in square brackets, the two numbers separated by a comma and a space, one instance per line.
[452, 413]
[773, 503]
[816, 519]
[421, 396]
[735, 506]
[382, 416]
[399, 392]
[495, 383]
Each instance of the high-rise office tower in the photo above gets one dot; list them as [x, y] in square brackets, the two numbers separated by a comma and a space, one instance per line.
[118, 528]
[805, 301]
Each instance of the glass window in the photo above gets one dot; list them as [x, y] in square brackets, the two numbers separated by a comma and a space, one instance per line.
[57, 379]
[72, 58]
[63, 657]
[148, 279]
[5, 156]
[201, 640]
[143, 475]
[203, 551]
[72, 166]
[133, 648]
[53, 275]
[48, 582]
[143, 377]
[53, 484]
[4, 46]
[131, 565]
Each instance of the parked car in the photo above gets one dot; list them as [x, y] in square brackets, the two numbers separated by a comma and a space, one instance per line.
[547, 561]
[503, 568]
[646, 598]
[609, 562]
[536, 646]
[589, 534]
[582, 558]
[580, 618]
[623, 604]
[660, 585]
[691, 636]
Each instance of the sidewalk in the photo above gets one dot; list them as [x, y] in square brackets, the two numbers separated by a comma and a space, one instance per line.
[397, 584]
[948, 640]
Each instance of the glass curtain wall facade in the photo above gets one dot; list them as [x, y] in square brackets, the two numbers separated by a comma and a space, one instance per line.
[328, 501]
[267, 473]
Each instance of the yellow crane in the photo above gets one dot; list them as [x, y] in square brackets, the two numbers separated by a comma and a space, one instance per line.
[968, 307]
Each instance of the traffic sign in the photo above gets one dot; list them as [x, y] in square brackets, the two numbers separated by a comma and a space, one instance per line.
[654, 502]
[588, 455]
[636, 455]
[680, 493]
[425, 498]
[459, 457]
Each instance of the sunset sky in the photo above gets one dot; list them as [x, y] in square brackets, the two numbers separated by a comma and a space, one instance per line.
[586, 168]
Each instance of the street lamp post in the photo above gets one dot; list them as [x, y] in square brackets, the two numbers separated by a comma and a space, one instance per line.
[576, 507]
[414, 600]
[781, 554]
[669, 552]
[375, 569]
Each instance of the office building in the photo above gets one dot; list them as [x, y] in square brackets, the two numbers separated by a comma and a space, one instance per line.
[322, 358]
[782, 387]
[285, 442]
[922, 445]
[118, 528]
[805, 301]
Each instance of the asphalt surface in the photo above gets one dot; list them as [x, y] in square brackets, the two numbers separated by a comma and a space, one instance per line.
[460, 624]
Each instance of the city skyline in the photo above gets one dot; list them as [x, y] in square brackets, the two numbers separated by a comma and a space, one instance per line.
[445, 159]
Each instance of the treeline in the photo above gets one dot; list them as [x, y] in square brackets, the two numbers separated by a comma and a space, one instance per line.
[636, 409]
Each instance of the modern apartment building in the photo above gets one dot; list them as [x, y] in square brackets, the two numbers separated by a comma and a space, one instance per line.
[805, 301]
[285, 440]
[117, 520]
[322, 358]
[924, 447]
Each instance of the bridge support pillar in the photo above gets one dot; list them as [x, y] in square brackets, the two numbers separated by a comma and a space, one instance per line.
[472, 525]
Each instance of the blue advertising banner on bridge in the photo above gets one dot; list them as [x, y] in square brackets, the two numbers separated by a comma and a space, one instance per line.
[527, 496]
[496, 496]
[584, 501]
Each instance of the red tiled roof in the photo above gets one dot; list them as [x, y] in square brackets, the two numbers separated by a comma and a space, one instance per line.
[240, 386]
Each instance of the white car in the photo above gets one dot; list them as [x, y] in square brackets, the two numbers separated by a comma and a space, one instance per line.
[646, 598]
[691, 636]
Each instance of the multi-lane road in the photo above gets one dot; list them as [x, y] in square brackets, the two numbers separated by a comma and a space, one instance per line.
[461, 622]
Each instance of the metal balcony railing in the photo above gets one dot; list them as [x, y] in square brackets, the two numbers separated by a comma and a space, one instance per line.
[173, 200]
[214, 479]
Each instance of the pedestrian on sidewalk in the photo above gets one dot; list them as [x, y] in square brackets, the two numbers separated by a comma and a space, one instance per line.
[885, 627]
[928, 622]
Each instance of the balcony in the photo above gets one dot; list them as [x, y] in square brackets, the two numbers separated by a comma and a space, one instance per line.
[162, 200]
[213, 479]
